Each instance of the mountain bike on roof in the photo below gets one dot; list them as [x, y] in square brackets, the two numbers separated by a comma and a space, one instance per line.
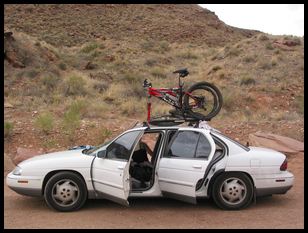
[202, 101]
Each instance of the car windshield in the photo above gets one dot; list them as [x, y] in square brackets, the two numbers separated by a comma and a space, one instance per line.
[89, 151]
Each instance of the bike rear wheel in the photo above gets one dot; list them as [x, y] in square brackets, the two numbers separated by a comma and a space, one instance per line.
[204, 101]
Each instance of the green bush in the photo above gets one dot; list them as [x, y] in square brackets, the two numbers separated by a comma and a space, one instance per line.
[8, 129]
[79, 106]
[44, 122]
[71, 121]
[75, 85]
[89, 47]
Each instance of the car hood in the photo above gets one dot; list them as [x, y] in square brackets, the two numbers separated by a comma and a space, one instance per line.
[61, 159]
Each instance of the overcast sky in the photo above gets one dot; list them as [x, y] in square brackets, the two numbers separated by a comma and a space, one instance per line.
[276, 19]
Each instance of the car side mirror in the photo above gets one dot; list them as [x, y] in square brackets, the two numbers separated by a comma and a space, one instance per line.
[102, 154]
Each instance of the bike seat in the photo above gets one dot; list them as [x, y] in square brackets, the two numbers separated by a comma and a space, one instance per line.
[182, 72]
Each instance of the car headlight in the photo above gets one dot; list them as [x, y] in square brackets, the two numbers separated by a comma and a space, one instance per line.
[17, 171]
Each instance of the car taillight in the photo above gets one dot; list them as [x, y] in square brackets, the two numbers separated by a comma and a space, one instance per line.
[284, 165]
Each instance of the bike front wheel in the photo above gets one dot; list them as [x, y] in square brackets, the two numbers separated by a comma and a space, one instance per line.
[203, 101]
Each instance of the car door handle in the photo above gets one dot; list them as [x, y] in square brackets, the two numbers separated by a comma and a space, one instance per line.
[120, 167]
[197, 166]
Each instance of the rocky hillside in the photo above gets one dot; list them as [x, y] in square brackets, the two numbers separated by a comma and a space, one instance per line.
[74, 25]
[73, 74]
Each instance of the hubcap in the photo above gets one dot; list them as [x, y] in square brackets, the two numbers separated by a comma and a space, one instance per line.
[233, 191]
[65, 192]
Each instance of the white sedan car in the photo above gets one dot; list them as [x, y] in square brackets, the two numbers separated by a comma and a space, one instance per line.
[185, 163]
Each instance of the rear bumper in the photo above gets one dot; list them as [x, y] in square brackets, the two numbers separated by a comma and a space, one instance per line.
[274, 184]
[270, 191]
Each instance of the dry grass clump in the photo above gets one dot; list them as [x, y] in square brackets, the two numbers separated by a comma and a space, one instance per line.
[263, 37]
[50, 82]
[98, 109]
[158, 72]
[188, 54]
[89, 47]
[74, 86]
[247, 81]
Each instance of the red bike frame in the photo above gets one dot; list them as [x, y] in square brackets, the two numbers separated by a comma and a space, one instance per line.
[172, 96]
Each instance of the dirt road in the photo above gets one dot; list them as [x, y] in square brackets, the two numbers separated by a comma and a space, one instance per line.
[278, 211]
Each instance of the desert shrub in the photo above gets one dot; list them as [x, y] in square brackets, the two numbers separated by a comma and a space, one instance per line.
[164, 46]
[70, 122]
[147, 45]
[130, 77]
[274, 61]
[249, 59]
[131, 106]
[104, 133]
[216, 68]
[44, 122]
[293, 39]
[74, 85]
[8, 129]
[150, 62]
[247, 81]
[50, 82]
[222, 75]
[97, 110]
[89, 47]
[49, 143]
[262, 37]
[277, 51]
[62, 66]
[158, 73]
[230, 99]
[269, 46]
[78, 106]
[233, 52]
[100, 86]
[188, 55]
[32, 73]
[265, 65]
[299, 102]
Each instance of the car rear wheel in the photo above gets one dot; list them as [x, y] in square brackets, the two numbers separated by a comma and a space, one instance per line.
[232, 191]
[65, 191]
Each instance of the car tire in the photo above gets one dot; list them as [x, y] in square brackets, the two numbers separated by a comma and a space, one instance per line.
[232, 191]
[65, 191]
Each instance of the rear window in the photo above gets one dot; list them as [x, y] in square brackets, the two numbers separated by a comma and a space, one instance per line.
[232, 140]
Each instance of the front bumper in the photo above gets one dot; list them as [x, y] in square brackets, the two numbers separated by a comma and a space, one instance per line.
[25, 185]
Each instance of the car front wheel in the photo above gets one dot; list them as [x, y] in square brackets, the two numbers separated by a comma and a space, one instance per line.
[65, 191]
[233, 191]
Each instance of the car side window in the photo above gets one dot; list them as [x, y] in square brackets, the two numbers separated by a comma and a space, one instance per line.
[203, 148]
[184, 145]
[121, 148]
